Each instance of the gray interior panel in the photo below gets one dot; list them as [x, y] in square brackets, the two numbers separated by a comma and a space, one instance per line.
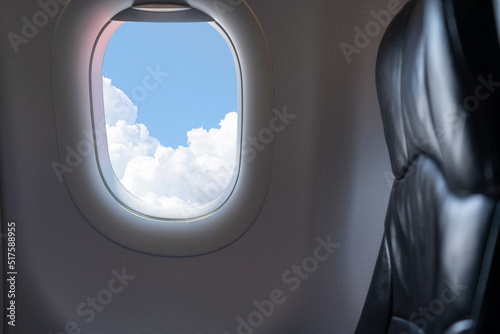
[330, 184]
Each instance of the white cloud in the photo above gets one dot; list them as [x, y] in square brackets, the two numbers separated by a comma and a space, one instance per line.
[182, 177]
[117, 104]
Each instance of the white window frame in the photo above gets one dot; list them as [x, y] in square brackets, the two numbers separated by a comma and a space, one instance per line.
[115, 186]
[82, 32]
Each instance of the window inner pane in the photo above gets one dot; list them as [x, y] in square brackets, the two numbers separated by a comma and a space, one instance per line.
[171, 110]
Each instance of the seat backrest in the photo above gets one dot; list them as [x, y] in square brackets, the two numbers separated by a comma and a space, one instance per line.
[438, 77]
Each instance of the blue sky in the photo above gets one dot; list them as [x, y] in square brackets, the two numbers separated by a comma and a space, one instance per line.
[200, 88]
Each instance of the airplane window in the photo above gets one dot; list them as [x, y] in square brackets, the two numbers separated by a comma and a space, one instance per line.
[164, 102]
[172, 117]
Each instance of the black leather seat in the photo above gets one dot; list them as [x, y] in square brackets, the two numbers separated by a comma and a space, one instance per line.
[438, 79]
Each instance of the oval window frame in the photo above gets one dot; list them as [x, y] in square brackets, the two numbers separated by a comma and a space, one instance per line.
[80, 25]
[114, 185]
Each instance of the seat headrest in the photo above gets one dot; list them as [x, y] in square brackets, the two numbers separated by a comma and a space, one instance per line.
[438, 96]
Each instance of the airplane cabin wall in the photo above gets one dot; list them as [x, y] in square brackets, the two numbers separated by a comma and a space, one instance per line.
[330, 177]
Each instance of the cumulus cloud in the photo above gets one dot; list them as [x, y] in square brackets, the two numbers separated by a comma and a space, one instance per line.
[180, 177]
[117, 104]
